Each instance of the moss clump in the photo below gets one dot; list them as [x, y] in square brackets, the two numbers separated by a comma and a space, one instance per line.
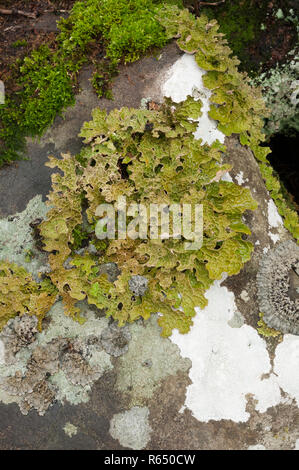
[46, 80]
[45, 89]
[127, 28]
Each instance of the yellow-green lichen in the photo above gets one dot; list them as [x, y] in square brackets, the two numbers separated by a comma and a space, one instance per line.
[238, 107]
[151, 157]
[265, 330]
[20, 294]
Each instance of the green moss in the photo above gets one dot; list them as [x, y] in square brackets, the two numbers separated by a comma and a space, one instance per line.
[45, 89]
[45, 80]
[20, 43]
[241, 22]
[127, 28]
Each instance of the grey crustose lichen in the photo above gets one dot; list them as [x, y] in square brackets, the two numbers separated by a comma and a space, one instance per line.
[278, 287]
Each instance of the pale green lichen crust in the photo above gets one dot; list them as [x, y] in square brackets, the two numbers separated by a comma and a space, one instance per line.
[131, 428]
[70, 430]
[17, 242]
[61, 363]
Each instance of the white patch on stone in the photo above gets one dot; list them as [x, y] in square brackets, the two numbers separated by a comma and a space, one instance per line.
[185, 78]
[274, 218]
[286, 365]
[70, 430]
[266, 249]
[239, 178]
[297, 445]
[244, 295]
[227, 177]
[131, 428]
[274, 237]
[257, 447]
[257, 242]
[227, 363]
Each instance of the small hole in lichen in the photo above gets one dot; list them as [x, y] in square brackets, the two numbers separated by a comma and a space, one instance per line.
[120, 306]
[218, 245]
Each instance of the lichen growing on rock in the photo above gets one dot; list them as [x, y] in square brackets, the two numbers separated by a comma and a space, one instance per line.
[131, 428]
[61, 363]
[115, 340]
[17, 238]
[119, 161]
[21, 295]
[278, 287]
[281, 93]
[265, 330]
[237, 106]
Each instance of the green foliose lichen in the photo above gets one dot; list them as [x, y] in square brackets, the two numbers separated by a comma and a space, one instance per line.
[151, 157]
[236, 105]
[20, 294]
[264, 330]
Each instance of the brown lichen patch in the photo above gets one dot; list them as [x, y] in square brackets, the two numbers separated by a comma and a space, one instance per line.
[17, 334]
[278, 428]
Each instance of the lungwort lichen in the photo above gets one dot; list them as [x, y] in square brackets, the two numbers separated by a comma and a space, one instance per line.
[151, 157]
[21, 295]
[238, 107]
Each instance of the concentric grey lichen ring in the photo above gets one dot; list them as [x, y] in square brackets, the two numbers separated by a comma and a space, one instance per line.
[278, 287]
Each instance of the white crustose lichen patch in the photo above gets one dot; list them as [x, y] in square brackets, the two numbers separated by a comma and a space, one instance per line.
[185, 78]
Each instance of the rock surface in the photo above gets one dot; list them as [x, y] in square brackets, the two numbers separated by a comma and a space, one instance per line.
[222, 386]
